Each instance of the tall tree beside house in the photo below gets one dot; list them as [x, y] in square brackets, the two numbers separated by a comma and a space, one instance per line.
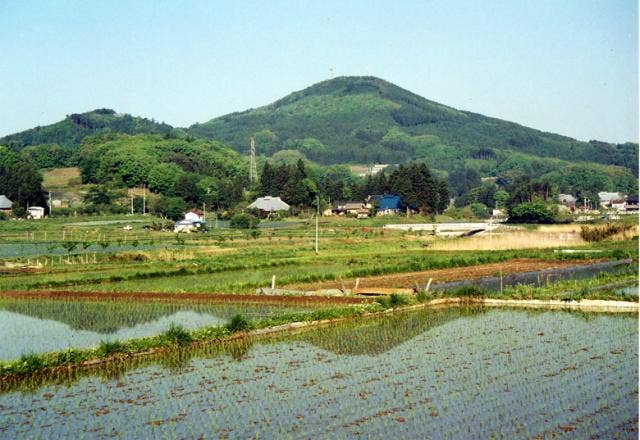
[20, 181]
[289, 182]
[418, 189]
[442, 190]
[267, 179]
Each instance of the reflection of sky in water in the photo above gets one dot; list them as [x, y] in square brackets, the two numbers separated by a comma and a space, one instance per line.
[504, 373]
[20, 334]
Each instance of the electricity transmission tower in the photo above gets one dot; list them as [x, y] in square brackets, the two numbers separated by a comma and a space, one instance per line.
[253, 171]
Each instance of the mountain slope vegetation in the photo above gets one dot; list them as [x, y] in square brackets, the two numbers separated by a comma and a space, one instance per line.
[369, 120]
[75, 127]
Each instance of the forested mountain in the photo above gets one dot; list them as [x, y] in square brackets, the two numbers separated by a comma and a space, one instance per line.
[361, 120]
[71, 130]
[369, 120]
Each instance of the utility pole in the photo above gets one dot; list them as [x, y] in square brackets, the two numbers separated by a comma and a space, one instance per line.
[317, 216]
[253, 171]
[204, 212]
[131, 193]
[50, 204]
[144, 199]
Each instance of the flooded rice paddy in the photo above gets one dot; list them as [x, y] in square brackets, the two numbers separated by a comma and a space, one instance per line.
[40, 326]
[457, 372]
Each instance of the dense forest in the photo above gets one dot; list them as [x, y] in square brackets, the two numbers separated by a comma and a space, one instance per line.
[368, 120]
[75, 127]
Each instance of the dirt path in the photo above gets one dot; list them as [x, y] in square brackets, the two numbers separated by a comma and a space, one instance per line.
[409, 279]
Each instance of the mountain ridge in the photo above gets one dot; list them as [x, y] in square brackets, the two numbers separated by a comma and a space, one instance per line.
[353, 119]
[317, 120]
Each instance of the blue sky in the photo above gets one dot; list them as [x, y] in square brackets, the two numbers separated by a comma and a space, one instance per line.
[569, 67]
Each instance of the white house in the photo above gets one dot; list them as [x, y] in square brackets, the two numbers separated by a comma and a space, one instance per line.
[35, 212]
[619, 205]
[194, 215]
[607, 197]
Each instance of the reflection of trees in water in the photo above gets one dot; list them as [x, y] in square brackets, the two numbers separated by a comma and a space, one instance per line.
[110, 316]
[364, 336]
[374, 336]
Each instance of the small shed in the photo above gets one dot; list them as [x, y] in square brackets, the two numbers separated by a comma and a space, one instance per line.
[189, 226]
[5, 203]
[35, 212]
[269, 204]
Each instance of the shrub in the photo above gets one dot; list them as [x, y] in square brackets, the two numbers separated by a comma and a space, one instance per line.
[244, 221]
[397, 300]
[602, 232]
[176, 334]
[107, 348]
[238, 323]
[531, 212]
[480, 210]
[29, 362]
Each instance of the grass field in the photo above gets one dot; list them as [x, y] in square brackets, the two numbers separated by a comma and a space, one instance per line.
[97, 254]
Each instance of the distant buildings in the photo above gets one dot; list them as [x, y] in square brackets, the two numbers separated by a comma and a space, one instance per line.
[194, 215]
[567, 200]
[5, 204]
[190, 226]
[35, 212]
[606, 198]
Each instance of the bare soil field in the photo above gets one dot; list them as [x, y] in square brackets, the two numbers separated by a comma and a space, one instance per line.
[442, 275]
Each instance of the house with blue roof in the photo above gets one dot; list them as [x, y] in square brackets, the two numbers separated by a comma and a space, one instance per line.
[390, 204]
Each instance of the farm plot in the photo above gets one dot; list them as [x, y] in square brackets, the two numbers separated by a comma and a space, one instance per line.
[41, 325]
[459, 373]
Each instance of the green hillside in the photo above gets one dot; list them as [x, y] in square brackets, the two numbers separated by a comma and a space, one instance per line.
[71, 130]
[369, 120]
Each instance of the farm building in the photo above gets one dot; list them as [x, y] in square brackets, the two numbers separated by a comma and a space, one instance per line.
[632, 204]
[35, 212]
[351, 207]
[190, 226]
[619, 204]
[269, 204]
[194, 215]
[567, 200]
[607, 197]
[5, 204]
[390, 205]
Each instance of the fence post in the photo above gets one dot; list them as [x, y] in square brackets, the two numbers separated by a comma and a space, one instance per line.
[426, 289]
